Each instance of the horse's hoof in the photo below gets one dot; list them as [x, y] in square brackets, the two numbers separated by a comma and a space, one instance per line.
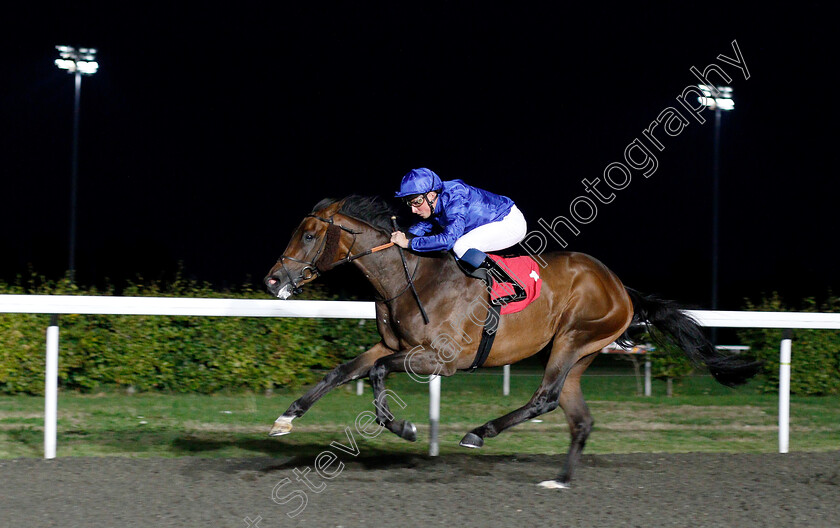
[553, 484]
[472, 441]
[409, 431]
[282, 426]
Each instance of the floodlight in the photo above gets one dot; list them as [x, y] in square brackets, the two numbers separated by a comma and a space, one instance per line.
[87, 67]
[722, 99]
[81, 61]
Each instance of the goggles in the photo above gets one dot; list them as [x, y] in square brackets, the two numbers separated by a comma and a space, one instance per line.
[417, 201]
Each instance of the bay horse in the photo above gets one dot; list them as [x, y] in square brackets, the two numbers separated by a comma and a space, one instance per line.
[582, 308]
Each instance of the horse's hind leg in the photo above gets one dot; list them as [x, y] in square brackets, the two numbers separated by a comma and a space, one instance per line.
[358, 367]
[579, 419]
[563, 357]
[543, 401]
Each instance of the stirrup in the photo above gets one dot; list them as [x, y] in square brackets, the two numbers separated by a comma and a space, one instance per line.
[507, 299]
[517, 295]
[503, 277]
[489, 270]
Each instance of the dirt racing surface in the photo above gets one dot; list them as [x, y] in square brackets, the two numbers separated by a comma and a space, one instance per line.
[470, 490]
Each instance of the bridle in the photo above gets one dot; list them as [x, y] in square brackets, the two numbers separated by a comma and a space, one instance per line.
[319, 263]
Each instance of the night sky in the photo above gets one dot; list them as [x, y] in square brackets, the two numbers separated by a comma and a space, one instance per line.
[208, 133]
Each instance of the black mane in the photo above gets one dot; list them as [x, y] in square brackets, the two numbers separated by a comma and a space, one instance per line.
[373, 210]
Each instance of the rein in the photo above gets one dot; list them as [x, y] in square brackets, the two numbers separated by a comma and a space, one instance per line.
[404, 288]
[408, 276]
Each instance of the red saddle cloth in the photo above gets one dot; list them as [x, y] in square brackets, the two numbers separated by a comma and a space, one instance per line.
[527, 273]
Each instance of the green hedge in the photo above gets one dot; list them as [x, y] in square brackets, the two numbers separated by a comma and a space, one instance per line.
[180, 354]
[668, 361]
[815, 362]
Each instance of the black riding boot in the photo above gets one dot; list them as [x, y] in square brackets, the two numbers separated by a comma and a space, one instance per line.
[490, 271]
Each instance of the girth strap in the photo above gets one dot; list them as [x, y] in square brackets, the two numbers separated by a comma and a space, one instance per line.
[488, 335]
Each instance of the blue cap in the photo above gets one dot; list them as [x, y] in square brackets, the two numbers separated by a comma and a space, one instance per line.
[419, 181]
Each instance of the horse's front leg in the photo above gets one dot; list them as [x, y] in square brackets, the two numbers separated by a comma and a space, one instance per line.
[343, 373]
[420, 362]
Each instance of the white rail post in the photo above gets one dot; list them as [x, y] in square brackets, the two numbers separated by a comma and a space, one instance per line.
[505, 380]
[647, 374]
[434, 415]
[784, 392]
[360, 387]
[51, 389]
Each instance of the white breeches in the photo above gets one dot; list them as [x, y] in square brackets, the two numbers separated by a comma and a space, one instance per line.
[494, 236]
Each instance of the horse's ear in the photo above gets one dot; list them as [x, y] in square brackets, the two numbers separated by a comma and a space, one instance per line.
[331, 240]
[322, 205]
[332, 208]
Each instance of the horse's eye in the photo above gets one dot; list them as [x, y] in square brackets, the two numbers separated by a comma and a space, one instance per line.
[309, 237]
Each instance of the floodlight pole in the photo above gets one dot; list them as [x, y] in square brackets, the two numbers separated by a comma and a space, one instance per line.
[718, 98]
[78, 62]
[74, 176]
[715, 218]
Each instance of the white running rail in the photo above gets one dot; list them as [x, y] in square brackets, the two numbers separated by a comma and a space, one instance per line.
[109, 305]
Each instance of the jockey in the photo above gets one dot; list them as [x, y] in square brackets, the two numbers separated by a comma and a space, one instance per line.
[469, 221]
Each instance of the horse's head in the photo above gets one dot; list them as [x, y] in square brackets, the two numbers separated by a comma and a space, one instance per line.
[313, 249]
[326, 237]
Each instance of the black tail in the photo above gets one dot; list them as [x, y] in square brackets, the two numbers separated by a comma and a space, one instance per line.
[684, 332]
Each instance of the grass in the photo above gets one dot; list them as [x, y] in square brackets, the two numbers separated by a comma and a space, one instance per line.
[702, 417]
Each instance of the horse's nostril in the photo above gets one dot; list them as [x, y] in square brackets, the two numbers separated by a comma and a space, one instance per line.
[272, 282]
